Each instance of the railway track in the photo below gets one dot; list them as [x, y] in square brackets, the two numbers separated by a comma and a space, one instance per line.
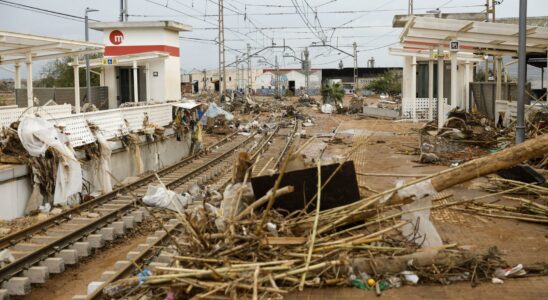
[47, 247]
[272, 148]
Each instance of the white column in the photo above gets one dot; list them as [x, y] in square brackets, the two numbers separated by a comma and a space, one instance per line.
[102, 77]
[454, 81]
[431, 86]
[414, 87]
[30, 95]
[17, 76]
[467, 80]
[147, 78]
[76, 69]
[405, 78]
[135, 82]
[498, 89]
[441, 113]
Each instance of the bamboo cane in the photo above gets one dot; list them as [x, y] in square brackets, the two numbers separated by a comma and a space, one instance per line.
[315, 227]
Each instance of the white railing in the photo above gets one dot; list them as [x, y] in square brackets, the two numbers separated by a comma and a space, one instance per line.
[11, 114]
[420, 109]
[111, 123]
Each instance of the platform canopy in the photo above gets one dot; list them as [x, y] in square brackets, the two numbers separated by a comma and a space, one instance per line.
[23, 48]
[17, 47]
[473, 36]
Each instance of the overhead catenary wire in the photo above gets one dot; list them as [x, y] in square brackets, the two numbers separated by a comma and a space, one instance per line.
[45, 11]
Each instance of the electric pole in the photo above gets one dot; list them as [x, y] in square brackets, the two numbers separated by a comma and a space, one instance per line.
[410, 7]
[277, 76]
[249, 77]
[88, 76]
[355, 46]
[205, 80]
[121, 18]
[490, 9]
[522, 72]
[237, 72]
[222, 67]
[306, 64]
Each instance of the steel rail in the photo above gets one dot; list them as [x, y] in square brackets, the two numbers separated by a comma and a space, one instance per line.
[36, 256]
[142, 258]
[26, 233]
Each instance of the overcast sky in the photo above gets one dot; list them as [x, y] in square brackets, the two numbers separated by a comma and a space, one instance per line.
[366, 22]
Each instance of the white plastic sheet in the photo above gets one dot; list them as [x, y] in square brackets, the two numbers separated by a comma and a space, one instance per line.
[37, 135]
[327, 108]
[159, 196]
[213, 111]
[420, 229]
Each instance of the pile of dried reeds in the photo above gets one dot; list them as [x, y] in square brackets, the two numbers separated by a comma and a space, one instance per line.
[264, 252]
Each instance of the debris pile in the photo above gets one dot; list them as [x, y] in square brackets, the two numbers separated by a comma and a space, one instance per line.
[261, 251]
[464, 136]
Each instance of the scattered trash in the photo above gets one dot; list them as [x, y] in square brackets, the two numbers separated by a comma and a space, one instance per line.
[159, 196]
[6, 257]
[327, 108]
[143, 275]
[510, 272]
[496, 280]
[410, 277]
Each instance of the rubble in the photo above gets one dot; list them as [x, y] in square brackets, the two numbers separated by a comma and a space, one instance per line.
[268, 250]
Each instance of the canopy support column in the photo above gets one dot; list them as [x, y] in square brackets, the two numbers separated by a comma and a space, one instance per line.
[454, 82]
[76, 69]
[135, 82]
[414, 86]
[441, 69]
[17, 76]
[147, 83]
[30, 95]
[467, 80]
[431, 86]
[498, 91]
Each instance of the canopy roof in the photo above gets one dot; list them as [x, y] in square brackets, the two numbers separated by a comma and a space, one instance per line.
[124, 60]
[422, 32]
[424, 54]
[17, 47]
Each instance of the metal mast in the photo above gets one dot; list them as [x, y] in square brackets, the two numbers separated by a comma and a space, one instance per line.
[410, 7]
[522, 71]
[249, 83]
[222, 67]
[306, 64]
[355, 67]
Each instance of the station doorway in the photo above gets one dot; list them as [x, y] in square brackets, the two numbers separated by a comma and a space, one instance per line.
[126, 84]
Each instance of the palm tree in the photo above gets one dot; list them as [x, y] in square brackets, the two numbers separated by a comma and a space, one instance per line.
[332, 92]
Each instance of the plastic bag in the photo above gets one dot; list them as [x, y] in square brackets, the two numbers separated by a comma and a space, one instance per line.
[158, 196]
[420, 228]
[327, 108]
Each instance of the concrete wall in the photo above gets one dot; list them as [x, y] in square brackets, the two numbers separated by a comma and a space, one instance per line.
[15, 188]
[15, 185]
[233, 78]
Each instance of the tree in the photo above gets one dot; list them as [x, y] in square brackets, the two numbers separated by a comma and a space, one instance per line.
[58, 73]
[332, 92]
[389, 83]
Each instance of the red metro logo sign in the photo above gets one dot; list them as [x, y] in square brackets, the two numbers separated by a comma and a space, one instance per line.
[116, 37]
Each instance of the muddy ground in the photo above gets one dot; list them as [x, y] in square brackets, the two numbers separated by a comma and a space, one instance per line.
[389, 149]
